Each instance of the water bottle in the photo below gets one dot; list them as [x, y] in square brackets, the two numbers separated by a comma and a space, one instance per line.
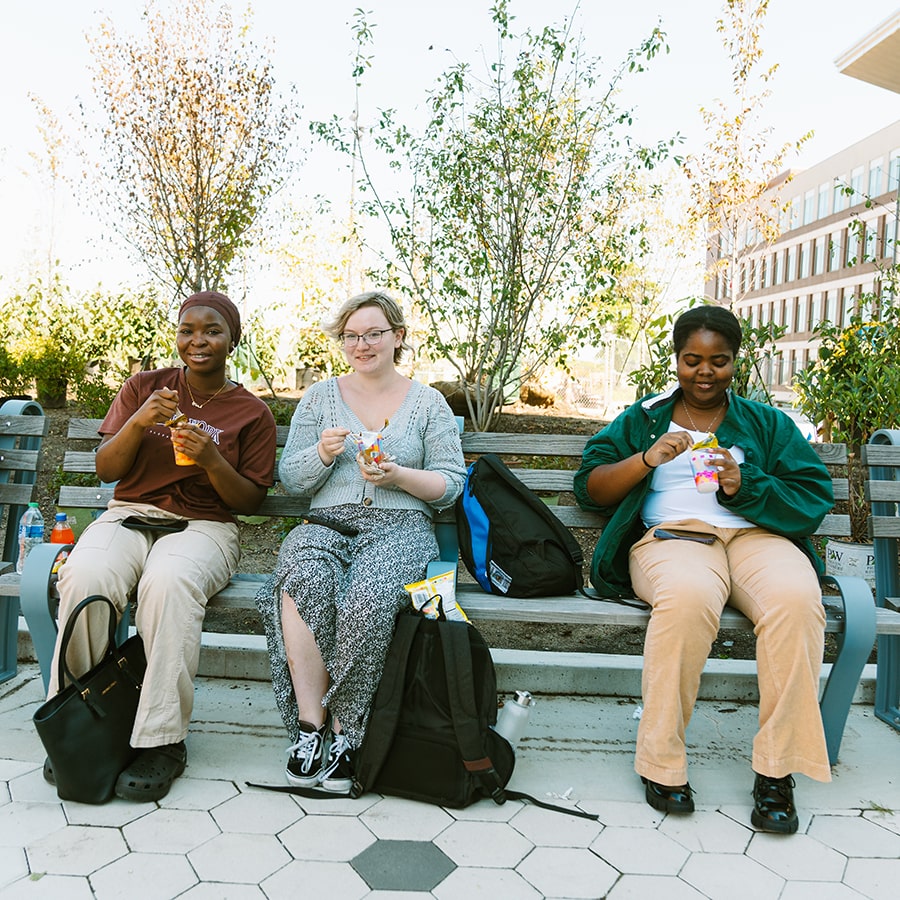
[513, 717]
[31, 532]
[61, 534]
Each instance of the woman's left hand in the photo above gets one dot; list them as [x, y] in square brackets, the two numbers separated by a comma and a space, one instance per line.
[384, 474]
[195, 443]
[729, 472]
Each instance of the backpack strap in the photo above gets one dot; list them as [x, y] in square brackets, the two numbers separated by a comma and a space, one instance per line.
[385, 714]
[592, 594]
[461, 694]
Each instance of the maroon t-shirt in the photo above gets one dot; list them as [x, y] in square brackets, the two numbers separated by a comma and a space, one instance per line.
[240, 424]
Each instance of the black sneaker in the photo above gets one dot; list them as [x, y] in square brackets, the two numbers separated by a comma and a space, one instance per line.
[304, 765]
[773, 805]
[337, 773]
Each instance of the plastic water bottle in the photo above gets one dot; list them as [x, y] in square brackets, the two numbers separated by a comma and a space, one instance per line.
[61, 534]
[31, 532]
[513, 717]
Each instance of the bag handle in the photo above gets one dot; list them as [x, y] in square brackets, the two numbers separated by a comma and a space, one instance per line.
[63, 673]
[389, 698]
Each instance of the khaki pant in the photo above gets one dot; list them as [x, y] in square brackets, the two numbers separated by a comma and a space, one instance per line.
[174, 575]
[687, 584]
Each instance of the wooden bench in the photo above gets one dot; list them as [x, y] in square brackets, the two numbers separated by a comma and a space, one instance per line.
[882, 457]
[851, 613]
[22, 430]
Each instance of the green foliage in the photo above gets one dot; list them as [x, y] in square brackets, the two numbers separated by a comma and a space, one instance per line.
[514, 230]
[853, 387]
[759, 343]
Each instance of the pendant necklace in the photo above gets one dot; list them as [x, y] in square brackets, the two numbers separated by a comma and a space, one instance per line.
[712, 424]
[201, 405]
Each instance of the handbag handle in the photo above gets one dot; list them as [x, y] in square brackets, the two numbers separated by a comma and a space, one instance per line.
[63, 672]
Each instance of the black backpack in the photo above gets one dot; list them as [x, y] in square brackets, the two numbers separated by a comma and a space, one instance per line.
[509, 540]
[429, 736]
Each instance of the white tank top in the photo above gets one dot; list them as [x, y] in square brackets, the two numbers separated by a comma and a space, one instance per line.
[673, 496]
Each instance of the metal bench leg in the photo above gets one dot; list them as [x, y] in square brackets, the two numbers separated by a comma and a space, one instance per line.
[887, 682]
[854, 647]
[37, 606]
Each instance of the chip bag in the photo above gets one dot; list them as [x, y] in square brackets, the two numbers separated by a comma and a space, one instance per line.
[435, 598]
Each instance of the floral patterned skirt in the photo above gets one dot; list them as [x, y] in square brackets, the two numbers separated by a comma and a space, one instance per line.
[348, 591]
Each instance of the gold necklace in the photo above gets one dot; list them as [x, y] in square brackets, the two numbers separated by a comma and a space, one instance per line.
[201, 405]
[712, 424]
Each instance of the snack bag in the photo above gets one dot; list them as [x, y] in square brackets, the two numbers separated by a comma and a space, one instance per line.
[368, 444]
[710, 442]
[706, 474]
[435, 598]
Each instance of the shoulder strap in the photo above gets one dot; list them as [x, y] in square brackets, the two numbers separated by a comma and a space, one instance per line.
[385, 713]
[591, 594]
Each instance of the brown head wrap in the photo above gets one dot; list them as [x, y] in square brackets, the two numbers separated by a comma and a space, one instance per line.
[221, 304]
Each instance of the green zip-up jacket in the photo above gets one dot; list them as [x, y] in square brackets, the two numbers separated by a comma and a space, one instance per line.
[785, 488]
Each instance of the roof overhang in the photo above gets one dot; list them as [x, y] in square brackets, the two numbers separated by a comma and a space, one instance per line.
[876, 57]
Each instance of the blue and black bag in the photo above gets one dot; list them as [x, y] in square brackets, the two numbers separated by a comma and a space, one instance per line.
[509, 540]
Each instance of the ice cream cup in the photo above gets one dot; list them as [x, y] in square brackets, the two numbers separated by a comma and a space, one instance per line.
[368, 443]
[181, 459]
[706, 474]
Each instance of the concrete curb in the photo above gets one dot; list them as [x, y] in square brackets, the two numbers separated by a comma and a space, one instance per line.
[243, 656]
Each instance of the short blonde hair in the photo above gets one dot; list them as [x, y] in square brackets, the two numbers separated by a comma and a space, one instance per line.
[386, 303]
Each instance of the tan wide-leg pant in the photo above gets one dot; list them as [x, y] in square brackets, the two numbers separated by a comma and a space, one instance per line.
[175, 575]
[687, 584]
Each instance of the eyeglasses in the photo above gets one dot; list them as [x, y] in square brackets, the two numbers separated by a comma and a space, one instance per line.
[371, 338]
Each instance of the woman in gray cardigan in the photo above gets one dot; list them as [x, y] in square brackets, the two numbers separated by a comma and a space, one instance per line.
[330, 606]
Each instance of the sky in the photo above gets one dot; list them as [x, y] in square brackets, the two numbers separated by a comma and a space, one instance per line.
[43, 51]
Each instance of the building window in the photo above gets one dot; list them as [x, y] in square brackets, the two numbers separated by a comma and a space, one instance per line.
[815, 309]
[802, 314]
[809, 206]
[840, 197]
[894, 170]
[822, 209]
[889, 244]
[875, 172]
[779, 267]
[795, 212]
[849, 305]
[871, 240]
[852, 247]
[856, 182]
[804, 260]
[834, 252]
[830, 306]
[819, 255]
[791, 271]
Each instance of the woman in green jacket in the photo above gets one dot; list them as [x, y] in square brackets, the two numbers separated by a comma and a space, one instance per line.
[753, 553]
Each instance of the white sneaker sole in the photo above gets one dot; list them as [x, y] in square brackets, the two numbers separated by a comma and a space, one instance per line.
[304, 781]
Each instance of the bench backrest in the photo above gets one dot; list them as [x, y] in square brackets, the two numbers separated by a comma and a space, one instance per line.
[882, 456]
[527, 454]
[20, 447]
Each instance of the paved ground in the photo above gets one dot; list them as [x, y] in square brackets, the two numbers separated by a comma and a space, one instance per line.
[213, 837]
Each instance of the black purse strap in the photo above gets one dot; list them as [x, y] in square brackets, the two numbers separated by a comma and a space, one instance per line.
[62, 673]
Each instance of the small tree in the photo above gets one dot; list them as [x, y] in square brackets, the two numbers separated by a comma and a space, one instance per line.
[733, 179]
[514, 229]
[193, 139]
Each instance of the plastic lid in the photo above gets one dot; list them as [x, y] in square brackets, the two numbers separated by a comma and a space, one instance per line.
[61, 517]
[34, 503]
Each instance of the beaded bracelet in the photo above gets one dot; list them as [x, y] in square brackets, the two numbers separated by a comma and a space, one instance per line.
[644, 460]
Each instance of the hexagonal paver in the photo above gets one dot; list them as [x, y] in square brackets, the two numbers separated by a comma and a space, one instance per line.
[855, 836]
[889, 820]
[150, 876]
[732, 876]
[318, 879]
[333, 838]
[548, 829]
[198, 793]
[567, 872]
[818, 890]
[170, 831]
[665, 887]
[22, 823]
[405, 820]
[76, 850]
[51, 887]
[488, 844]
[257, 813]
[242, 858]
[402, 865]
[503, 884]
[218, 891]
[799, 858]
[707, 832]
[13, 864]
[876, 879]
[640, 851]
[114, 814]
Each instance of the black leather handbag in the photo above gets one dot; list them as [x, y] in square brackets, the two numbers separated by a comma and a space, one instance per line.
[86, 727]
